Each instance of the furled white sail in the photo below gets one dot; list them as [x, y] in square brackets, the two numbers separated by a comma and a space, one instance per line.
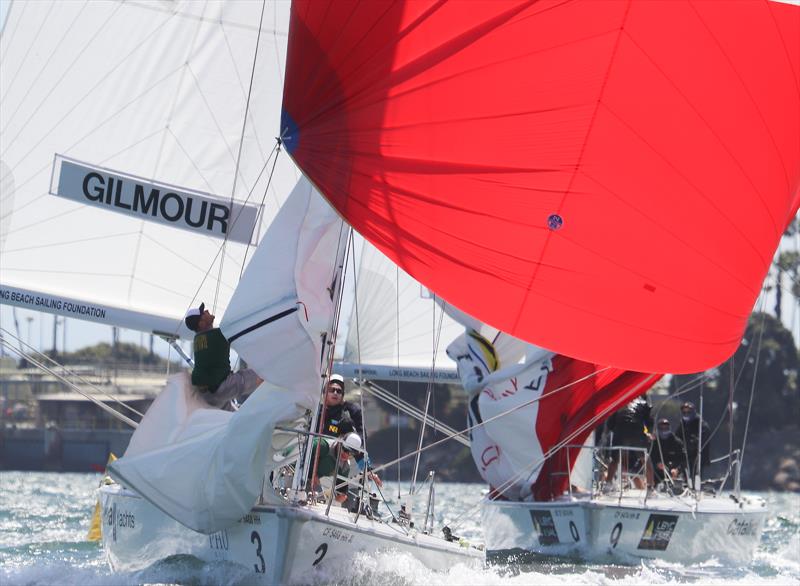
[180, 100]
[202, 466]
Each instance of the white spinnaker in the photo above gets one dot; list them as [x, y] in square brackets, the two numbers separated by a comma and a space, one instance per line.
[156, 90]
[202, 466]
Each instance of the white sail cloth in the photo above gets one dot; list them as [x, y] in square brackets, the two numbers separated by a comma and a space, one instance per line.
[284, 303]
[163, 91]
[504, 444]
[204, 467]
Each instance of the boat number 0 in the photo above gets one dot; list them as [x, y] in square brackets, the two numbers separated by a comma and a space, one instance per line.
[615, 533]
[321, 550]
[256, 538]
[573, 529]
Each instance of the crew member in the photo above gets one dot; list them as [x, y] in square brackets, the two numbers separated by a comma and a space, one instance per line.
[666, 453]
[629, 427]
[212, 374]
[689, 434]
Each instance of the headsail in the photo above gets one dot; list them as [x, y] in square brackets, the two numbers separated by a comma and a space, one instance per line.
[569, 161]
[127, 146]
[203, 466]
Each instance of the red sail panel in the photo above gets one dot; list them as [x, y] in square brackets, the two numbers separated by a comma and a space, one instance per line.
[571, 162]
[582, 403]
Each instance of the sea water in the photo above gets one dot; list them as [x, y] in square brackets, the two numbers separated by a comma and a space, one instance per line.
[44, 519]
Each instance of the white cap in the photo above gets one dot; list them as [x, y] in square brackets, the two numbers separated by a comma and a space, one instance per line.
[336, 378]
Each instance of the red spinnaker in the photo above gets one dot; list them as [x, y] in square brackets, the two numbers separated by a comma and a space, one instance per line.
[581, 402]
[608, 180]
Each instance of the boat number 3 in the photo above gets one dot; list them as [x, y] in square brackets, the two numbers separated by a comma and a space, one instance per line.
[573, 529]
[321, 550]
[256, 538]
[615, 533]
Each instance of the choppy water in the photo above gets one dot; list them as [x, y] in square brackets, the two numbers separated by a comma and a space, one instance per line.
[44, 518]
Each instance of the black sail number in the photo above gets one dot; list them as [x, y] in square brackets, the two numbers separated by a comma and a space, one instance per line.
[321, 550]
[573, 529]
[615, 533]
[256, 538]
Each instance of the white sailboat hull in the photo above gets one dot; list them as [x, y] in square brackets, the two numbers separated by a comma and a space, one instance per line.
[282, 543]
[626, 530]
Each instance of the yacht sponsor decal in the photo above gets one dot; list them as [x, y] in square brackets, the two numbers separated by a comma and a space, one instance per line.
[144, 199]
[545, 527]
[658, 532]
[743, 527]
[118, 519]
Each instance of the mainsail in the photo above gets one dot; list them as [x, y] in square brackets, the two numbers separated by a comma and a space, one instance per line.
[556, 168]
[131, 133]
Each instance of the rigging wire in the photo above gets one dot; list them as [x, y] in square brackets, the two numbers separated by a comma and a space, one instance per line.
[241, 142]
[752, 388]
[429, 391]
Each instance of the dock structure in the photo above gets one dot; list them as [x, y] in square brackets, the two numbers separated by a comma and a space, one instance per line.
[47, 423]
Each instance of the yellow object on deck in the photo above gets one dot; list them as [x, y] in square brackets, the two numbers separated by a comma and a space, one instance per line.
[96, 527]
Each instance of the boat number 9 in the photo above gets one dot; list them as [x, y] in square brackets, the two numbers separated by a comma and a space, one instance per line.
[615, 533]
[256, 538]
[321, 550]
[573, 529]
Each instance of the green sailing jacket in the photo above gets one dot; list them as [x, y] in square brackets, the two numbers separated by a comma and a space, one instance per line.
[212, 360]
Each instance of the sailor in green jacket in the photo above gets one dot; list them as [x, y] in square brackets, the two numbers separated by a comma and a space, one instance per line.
[212, 362]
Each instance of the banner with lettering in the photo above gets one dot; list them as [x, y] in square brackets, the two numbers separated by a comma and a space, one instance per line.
[153, 201]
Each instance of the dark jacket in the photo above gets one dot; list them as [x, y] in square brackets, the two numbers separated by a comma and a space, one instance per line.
[342, 419]
[669, 451]
[631, 424]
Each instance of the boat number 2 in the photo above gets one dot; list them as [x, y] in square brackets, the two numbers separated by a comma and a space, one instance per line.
[615, 533]
[256, 538]
[321, 550]
[573, 529]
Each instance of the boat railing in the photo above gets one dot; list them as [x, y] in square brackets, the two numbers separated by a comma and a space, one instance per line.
[627, 464]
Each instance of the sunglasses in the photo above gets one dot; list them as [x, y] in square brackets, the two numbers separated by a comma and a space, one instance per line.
[336, 391]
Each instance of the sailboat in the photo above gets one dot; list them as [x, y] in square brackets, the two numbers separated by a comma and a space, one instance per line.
[561, 171]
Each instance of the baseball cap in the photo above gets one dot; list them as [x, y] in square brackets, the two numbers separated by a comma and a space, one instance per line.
[193, 317]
